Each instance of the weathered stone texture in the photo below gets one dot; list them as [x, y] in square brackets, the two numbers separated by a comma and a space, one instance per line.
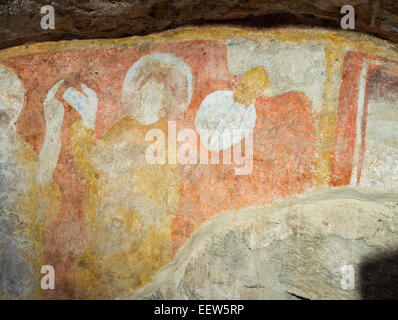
[296, 248]
[20, 19]
[115, 153]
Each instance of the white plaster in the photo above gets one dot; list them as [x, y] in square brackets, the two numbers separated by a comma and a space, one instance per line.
[219, 117]
[151, 94]
[380, 158]
[86, 104]
[380, 165]
[11, 103]
[49, 153]
[290, 66]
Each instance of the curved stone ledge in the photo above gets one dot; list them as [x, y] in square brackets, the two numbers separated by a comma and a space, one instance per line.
[295, 248]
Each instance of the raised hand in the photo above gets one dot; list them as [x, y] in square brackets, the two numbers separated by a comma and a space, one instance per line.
[53, 108]
[53, 114]
[86, 104]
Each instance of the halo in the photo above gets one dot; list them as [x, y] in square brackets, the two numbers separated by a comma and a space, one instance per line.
[163, 66]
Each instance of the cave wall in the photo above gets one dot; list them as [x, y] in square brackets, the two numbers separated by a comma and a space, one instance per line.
[93, 184]
[20, 19]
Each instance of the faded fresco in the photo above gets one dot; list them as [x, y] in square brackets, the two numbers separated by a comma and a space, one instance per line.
[316, 109]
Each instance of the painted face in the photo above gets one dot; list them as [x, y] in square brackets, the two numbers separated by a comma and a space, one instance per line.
[11, 98]
[151, 96]
[158, 85]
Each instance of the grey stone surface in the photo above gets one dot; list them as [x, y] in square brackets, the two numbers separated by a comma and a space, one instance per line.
[293, 248]
[20, 19]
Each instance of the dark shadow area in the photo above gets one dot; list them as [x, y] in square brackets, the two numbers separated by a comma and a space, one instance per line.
[74, 19]
[276, 20]
[297, 297]
[378, 277]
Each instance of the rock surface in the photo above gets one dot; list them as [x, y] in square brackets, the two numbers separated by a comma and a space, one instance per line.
[20, 19]
[80, 190]
[301, 247]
